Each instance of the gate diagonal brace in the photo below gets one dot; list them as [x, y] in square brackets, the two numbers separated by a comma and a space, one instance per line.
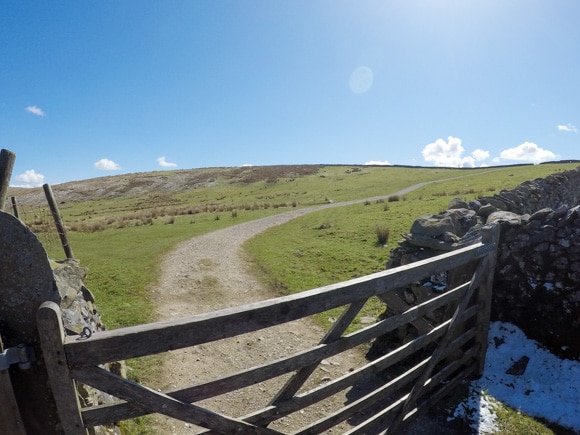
[22, 355]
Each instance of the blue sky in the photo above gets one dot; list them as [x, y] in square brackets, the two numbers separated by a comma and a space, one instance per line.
[93, 88]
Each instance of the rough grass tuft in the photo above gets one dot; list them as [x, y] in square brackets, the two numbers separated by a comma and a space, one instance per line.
[382, 234]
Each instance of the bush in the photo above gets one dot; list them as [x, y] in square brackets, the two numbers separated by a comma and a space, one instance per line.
[382, 235]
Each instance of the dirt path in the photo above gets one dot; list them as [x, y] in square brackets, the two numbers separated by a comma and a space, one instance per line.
[211, 272]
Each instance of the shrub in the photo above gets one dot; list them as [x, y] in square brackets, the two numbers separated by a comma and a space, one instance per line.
[382, 235]
[393, 198]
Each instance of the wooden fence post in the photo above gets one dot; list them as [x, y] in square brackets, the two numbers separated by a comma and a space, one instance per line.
[52, 336]
[26, 281]
[58, 221]
[14, 207]
[489, 234]
[6, 164]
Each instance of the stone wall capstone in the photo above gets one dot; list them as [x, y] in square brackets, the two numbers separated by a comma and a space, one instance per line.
[537, 278]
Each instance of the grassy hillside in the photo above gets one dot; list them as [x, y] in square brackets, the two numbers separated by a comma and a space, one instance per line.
[120, 227]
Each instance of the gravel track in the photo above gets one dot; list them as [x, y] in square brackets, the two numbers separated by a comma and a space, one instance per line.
[211, 272]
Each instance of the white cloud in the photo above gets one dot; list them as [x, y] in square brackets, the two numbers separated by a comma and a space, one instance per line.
[449, 154]
[479, 154]
[568, 127]
[107, 165]
[378, 162]
[164, 163]
[247, 165]
[528, 152]
[35, 110]
[30, 179]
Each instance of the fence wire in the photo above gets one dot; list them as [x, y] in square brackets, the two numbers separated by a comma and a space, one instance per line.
[41, 222]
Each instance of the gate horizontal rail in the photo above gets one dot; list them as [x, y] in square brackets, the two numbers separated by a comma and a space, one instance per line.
[70, 359]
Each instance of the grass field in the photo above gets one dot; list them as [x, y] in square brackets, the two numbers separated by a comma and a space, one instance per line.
[121, 237]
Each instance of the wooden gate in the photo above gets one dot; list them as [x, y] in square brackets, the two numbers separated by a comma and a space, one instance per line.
[460, 342]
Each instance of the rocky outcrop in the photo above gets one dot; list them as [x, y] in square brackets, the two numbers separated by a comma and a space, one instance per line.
[537, 278]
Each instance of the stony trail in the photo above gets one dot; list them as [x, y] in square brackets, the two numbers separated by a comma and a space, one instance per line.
[211, 272]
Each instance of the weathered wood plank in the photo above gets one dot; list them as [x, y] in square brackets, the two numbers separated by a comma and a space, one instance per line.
[317, 394]
[436, 396]
[125, 343]
[154, 401]
[52, 336]
[380, 420]
[387, 389]
[10, 418]
[491, 235]
[26, 281]
[443, 347]
[106, 413]
[296, 381]
[103, 414]
[7, 159]
[364, 402]
[60, 228]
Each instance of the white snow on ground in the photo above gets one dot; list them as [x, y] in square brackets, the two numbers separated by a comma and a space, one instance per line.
[549, 387]
[479, 410]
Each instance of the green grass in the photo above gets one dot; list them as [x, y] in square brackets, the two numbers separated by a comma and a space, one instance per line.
[123, 262]
[337, 244]
[318, 249]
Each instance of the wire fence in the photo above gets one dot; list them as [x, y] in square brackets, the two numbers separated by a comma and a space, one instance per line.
[41, 222]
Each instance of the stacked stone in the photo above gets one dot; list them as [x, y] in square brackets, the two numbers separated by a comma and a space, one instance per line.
[81, 318]
[77, 302]
[537, 278]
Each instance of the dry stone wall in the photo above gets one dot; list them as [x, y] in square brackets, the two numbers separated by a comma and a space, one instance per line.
[537, 278]
[81, 318]
[27, 279]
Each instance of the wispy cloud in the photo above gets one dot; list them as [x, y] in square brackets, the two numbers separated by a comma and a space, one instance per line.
[450, 154]
[30, 179]
[107, 165]
[35, 110]
[567, 127]
[528, 152]
[378, 163]
[164, 163]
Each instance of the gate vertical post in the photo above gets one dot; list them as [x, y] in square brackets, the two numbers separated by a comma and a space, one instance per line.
[489, 234]
[52, 336]
[26, 281]
[10, 418]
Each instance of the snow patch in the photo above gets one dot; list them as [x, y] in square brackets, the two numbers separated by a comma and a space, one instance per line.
[549, 387]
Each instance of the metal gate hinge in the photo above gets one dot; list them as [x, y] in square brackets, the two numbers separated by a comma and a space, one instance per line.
[22, 355]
